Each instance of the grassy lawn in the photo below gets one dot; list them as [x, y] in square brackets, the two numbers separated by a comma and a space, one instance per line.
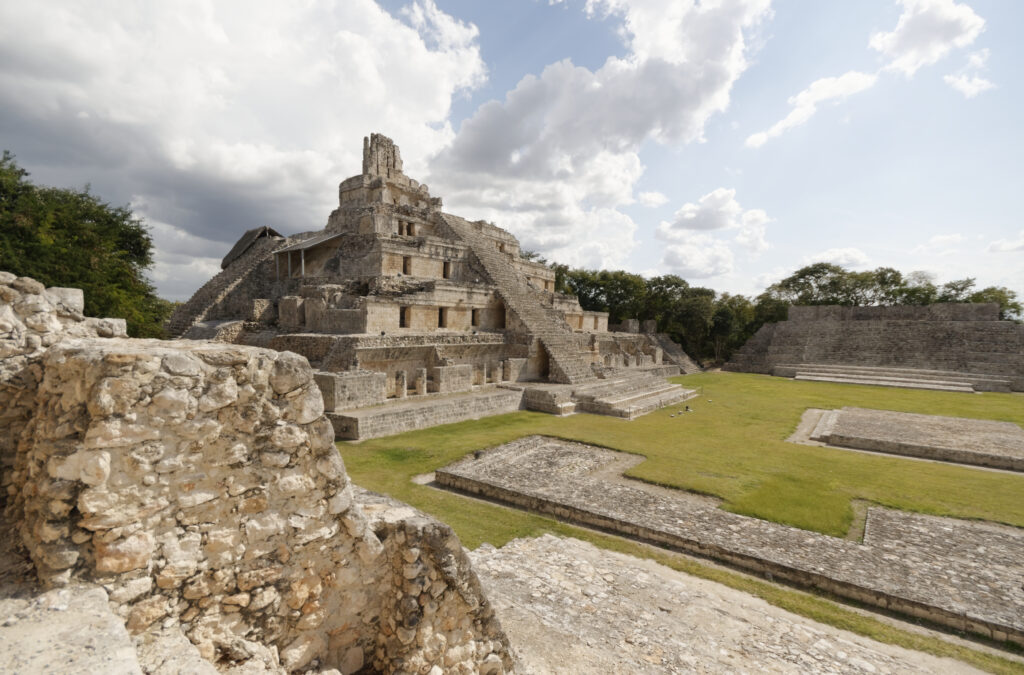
[733, 447]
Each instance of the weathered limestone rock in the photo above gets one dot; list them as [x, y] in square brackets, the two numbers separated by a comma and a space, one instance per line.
[198, 483]
[33, 318]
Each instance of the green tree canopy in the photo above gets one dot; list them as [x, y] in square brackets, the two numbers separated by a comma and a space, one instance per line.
[713, 325]
[71, 238]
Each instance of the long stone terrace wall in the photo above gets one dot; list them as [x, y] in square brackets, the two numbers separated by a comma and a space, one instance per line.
[965, 338]
[960, 573]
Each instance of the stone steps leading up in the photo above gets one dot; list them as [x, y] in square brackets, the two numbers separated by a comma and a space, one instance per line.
[527, 304]
[941, 380]
[637, 406]
[629, 396]
[217, 288]
[674, 353]
[888, 382]
[917, 373]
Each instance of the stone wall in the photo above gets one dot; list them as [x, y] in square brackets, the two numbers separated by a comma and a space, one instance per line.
[965, 338]
[352, 389]
[32, 319]
[198, 483]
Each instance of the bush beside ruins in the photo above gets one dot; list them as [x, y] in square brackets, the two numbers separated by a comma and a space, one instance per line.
[198, 483]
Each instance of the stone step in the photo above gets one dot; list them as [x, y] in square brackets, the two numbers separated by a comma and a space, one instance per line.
[915, 373]
[635, 396]
[527, 304]
[620, 387]
[637, 405]
[888, 382]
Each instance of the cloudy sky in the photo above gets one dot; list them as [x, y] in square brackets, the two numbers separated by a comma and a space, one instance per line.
[727, 141]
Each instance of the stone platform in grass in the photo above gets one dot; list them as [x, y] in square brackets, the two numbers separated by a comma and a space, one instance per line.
[570, 607]
[423, 412]
[959, 573]
[987, 443]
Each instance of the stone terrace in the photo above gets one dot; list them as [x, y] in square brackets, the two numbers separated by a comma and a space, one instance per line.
[959, 573]
[920, 347]
[998, 445]
[570, 607]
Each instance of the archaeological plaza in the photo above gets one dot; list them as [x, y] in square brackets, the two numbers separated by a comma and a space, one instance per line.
[392, 445]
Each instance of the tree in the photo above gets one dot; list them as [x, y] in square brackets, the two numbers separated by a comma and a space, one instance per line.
[957, 290]
[71, 238]
[818, 284]
[1010, 309]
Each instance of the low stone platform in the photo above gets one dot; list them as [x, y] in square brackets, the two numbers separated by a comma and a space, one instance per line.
[629, 395]
[619, 393]
[423, 412]
[962, 574]
[907, 378]
[999, 445]
[569, 607]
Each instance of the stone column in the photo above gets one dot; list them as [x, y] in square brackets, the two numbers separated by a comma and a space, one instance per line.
[421, 381]
[401, 384]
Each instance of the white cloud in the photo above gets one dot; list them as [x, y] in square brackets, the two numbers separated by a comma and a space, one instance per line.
[652, 199]
[968, 85]
[226, 115]
[927, 30]
[852, 257]
[1008, 245]
[968, 80]
[698, 257]
[941, 245]
[694, 251]
[805, 104]
[561, 149]
[752, 232]
[717, 210]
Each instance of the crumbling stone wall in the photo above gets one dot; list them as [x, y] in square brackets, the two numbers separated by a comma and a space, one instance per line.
[199, 484]
[32, 319]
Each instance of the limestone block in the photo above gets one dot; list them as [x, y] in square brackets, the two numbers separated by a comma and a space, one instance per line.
[291, 312]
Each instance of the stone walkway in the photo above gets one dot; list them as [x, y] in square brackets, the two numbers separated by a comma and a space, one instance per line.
[963, 574]
[998, 445]
[569, 607]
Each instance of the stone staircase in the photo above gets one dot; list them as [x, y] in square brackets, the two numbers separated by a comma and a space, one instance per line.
[672, 351]
[216, 289]
[527, 304]
[909, 378]
[628, 395]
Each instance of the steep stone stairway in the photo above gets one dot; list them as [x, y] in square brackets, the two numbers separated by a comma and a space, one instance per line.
[675, 354]
[527, 304]
[217, 288]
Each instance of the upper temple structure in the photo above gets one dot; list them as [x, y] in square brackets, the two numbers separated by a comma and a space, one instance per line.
[396, 301]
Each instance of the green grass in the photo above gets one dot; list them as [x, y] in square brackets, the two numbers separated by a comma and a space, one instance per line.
[733, 447]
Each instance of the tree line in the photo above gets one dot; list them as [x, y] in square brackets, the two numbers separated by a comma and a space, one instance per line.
[711, 326]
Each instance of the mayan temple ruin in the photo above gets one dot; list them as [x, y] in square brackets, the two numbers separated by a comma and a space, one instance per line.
[396, 301]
